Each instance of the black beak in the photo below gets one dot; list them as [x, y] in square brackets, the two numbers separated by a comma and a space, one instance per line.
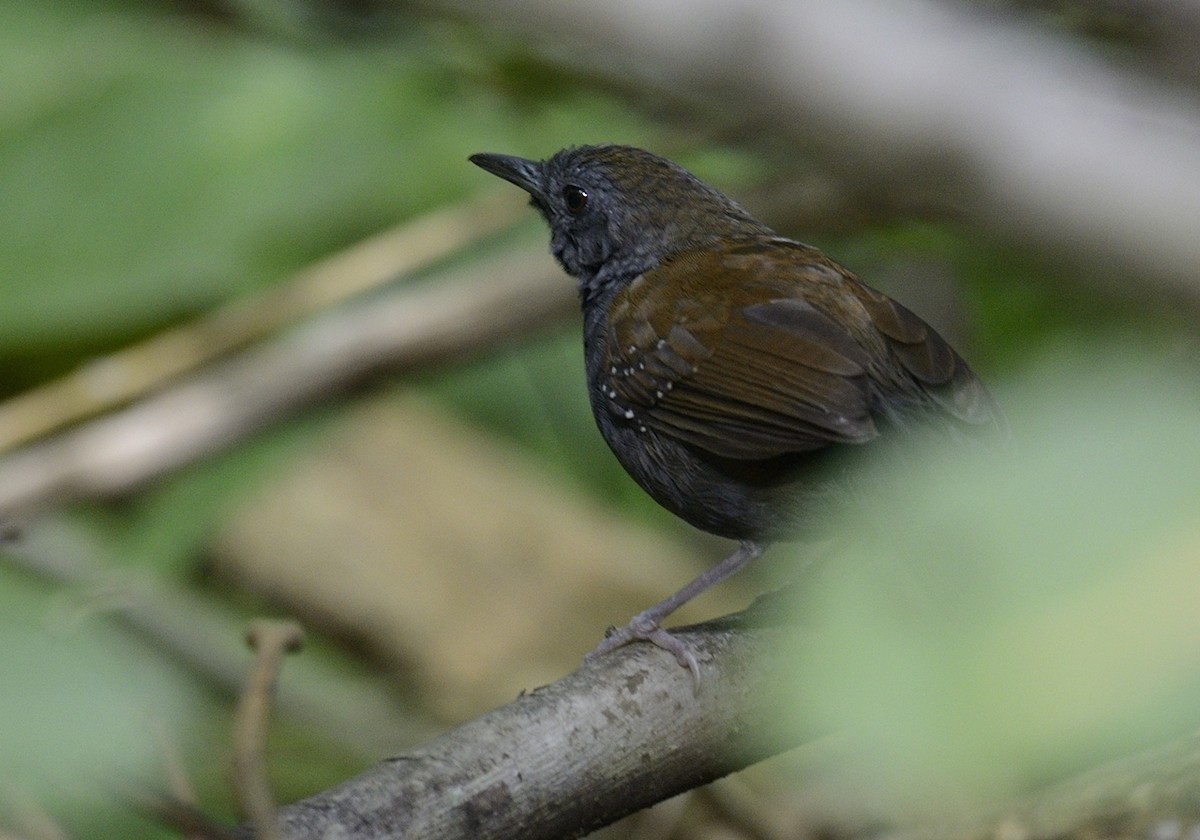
[526, 174]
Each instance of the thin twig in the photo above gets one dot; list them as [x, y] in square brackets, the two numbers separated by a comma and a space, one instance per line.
[182, 791]
[182, 817]
[271, 641]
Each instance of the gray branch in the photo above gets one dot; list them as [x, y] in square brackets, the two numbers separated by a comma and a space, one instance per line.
[1029, 131]
[609, 739]
[626, 732]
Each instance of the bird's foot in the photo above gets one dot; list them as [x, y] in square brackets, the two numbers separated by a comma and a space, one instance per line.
[644, 628]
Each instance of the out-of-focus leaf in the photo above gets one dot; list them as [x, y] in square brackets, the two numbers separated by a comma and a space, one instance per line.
[154, 165]
[79, 705]
[992, 623]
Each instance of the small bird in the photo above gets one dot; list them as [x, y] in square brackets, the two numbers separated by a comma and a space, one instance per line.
[726, 363]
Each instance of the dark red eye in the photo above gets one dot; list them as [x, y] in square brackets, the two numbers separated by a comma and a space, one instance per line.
[575, 198]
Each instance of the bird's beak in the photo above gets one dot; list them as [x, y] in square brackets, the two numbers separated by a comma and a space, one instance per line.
[526, 174]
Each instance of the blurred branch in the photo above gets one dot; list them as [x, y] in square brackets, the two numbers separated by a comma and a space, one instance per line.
[349, 709]
[1039, 137]
[35, 823]
[1140, 796]
[1163, 35]
[410, 328]
[181, 791]
[115, 379]
[182, 817]
[609, 739]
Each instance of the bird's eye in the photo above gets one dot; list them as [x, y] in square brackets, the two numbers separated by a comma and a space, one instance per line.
[575, 198]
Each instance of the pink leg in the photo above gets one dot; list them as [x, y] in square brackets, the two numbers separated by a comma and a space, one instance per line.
[645, 625]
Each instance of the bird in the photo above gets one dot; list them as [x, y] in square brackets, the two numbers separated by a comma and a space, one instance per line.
[730, 369]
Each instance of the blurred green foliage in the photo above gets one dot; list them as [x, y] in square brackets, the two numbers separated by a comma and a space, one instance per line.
[154, 165]
[83, 697]
[992, 623]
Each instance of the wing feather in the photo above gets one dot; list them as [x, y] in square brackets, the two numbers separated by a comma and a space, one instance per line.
[772, 349]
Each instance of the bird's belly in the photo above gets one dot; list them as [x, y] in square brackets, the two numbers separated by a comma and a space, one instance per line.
[764, 500]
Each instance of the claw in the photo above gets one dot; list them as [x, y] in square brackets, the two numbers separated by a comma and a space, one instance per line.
[645, 625]
[683, 653]
[645, 631]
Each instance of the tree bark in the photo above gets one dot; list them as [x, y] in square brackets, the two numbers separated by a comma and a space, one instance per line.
[611, 738]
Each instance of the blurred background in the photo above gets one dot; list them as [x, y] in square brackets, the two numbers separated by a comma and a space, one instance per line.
[270, 345]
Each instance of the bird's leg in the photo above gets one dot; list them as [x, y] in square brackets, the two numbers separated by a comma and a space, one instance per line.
[645, 625]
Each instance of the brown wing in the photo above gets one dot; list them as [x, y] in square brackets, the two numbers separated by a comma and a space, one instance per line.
[943, 378]
[767, 351]
[698, 354]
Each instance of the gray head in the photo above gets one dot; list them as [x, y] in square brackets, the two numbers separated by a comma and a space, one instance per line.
[617, 211]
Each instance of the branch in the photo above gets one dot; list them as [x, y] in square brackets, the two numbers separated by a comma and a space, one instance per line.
[609, 739]
[627, 731]
[1159, 35]
[133, 371]
[432, 323]
[1037, 136]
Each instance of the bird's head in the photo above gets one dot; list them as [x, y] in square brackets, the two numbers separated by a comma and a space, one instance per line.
[617, 211]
